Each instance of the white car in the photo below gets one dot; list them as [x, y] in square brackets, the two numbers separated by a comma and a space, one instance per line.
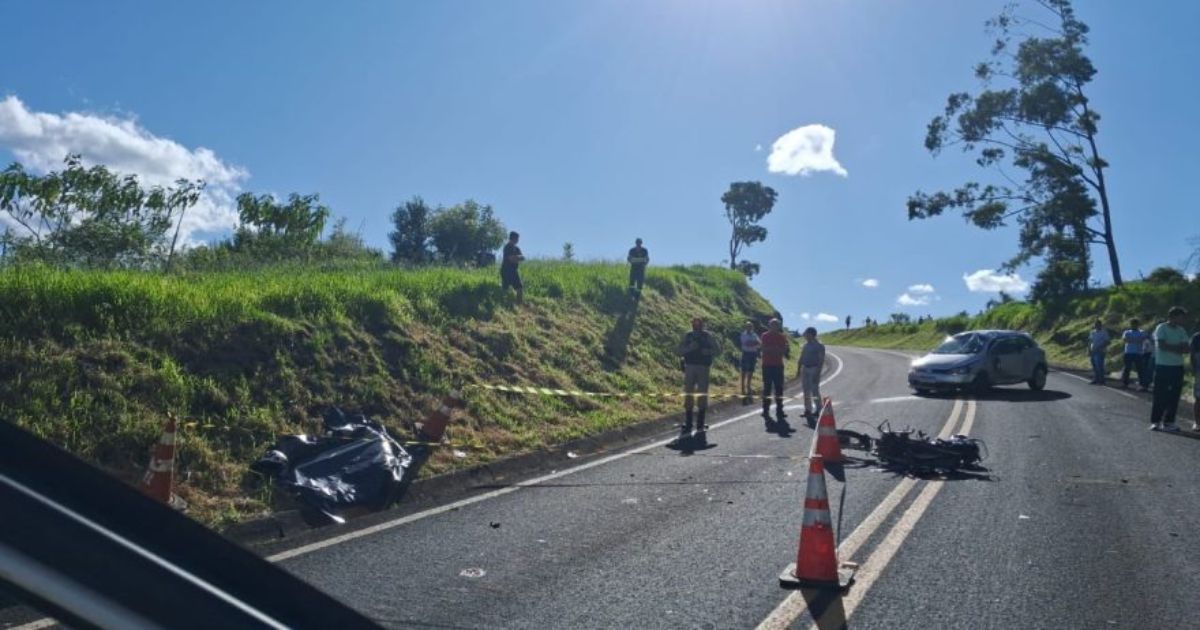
[979, 359]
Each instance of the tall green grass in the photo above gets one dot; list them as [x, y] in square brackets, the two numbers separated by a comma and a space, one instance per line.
[94, 360]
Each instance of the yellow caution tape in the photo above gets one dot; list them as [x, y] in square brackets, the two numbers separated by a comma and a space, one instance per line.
[574, 393]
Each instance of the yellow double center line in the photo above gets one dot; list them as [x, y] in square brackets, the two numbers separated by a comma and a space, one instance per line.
[795, 605]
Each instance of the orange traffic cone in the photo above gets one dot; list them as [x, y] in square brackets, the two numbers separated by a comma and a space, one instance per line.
[825, 442]
[159, 479]
[434, 426]
[816, 563]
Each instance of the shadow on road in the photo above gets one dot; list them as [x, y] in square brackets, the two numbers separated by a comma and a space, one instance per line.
[826, 608]
[1005, 395]
[778, 426]
[691, 446]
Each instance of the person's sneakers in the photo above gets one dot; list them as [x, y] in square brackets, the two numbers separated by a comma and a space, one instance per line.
[1196, 426]
[1154, 426]
[1170, 427]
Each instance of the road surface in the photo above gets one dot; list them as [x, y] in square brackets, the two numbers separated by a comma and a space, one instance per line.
[1082, 519]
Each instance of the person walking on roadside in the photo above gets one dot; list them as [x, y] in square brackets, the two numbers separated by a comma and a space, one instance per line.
[812, 359]
[1132, 357]
[510, 276]
[1097, 346]
[1171, 341]
[750, 345]
[698, 349]
[1146, 375]
[638, 258]
[775, 349]
[1196, 382]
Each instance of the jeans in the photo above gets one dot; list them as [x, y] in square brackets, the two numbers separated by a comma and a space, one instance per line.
[1146, 374]
[772, 380]
[1132, 362]
[637, 276]
[1168, 386]
[695, 381]
[811, 380]
[1098, 367]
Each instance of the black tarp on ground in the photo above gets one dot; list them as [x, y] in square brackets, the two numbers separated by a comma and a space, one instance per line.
[354, 463]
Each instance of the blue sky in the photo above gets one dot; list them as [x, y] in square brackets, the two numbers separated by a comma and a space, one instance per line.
[598, 121]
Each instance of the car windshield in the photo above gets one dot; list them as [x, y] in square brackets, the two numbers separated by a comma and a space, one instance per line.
[969, 343]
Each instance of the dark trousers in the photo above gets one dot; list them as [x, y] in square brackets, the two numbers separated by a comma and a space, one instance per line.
[1168, 386]
[637, 276]
[772, 381]
[1132, 362]
[1146, 375]
[1097, 367]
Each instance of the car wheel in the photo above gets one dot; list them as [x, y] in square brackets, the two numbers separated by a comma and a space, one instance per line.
[1038, 381]
[981, 383]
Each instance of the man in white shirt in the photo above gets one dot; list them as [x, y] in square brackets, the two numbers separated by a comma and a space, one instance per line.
[751, 345]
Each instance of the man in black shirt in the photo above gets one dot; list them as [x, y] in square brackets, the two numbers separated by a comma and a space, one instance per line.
[509, 275]
[697, 349]
[638, 258]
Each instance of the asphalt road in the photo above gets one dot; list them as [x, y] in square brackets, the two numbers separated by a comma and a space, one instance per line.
[1083, 518]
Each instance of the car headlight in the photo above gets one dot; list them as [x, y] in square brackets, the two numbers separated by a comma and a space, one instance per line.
[966, 369]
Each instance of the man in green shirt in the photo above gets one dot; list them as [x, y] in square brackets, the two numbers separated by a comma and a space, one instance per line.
[1171, 343]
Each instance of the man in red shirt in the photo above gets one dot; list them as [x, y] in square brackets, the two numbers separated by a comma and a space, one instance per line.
[775, 350]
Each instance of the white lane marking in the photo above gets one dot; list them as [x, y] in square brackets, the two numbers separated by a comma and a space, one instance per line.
[883, 554]
[374, 529]
[1115, 391]
[37, 625]
[791, 608]
[894, 399]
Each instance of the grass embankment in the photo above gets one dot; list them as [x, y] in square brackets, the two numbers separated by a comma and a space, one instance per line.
[94, 360]
[1062, 332]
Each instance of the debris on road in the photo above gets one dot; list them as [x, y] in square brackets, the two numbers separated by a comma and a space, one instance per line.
[912, 450]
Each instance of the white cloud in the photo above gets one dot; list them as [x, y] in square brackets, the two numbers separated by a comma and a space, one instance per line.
[871, 283]
[925, 289]
[805, 316]
[41, 140]
[989, 281]
[803, 151]
[908, 300]
[826, 317]
[757, 148]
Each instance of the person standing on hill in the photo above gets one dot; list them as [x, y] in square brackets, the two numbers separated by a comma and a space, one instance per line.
[1171, 340]
[638, 258]
[847, 322]
[1097, 346]
[1132, 339]
[812, 359]
[698, 349]
[750, 345]
[510, 276]
[775, 349]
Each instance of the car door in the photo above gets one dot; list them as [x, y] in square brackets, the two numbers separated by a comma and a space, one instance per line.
[1029, 357]
[1009, 360]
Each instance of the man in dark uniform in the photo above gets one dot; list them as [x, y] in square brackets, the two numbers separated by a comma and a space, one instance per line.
[698, 349]
[638, 258]
[509, 275]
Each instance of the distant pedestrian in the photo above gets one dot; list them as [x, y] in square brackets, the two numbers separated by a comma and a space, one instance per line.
[1171, 342]
[698, 349]
[1196, 382]
[1097, 347]
[847, 322]
[750, 345]
[775, 349]
[1146, 376]
[510, 275]
[638, 258]
[812, 359]
[1132, 340]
